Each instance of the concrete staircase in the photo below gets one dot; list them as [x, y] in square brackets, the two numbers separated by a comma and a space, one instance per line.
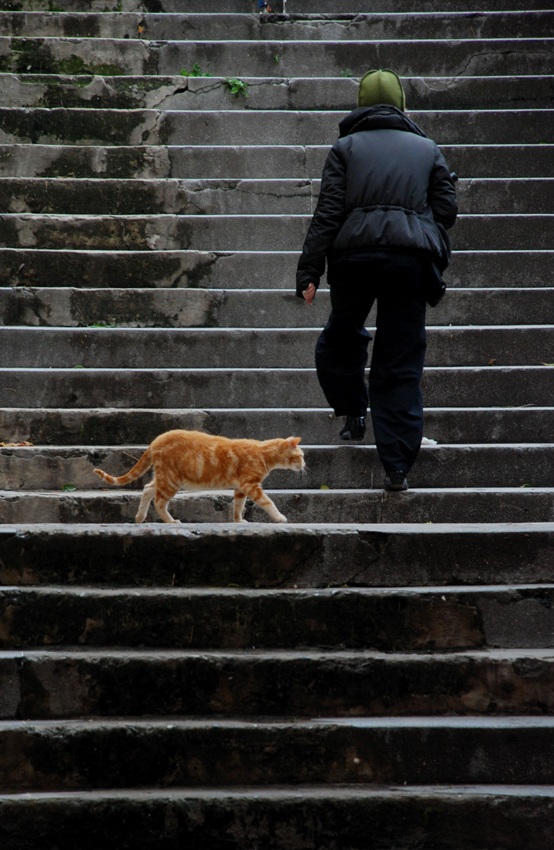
[379, 673]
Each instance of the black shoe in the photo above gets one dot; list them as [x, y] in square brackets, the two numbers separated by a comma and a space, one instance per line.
[396, 480]
[354, 428]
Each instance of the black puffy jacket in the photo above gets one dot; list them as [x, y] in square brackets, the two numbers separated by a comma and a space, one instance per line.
[385, 186]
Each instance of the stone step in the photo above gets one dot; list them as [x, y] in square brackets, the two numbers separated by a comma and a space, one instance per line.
[279, 817]
[321, 507]
[393, 554]
[227, 752]
[265, 348]
[318, 426]
[248, 6]
[245, 161]
[325, 25]
[445, 56]
[474, 232]
[465, 386]
[51, 684]
[250, 127]
[266, 92]
[330, 467]
[231, 270]
[402, 620]
[65, 307]
[238, 197]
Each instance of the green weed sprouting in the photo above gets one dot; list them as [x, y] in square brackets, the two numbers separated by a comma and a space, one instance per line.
[237, 86]
[195, 71]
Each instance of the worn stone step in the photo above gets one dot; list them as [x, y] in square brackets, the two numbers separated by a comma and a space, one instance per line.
[407, 620]
[516, 816]
[60, 268]
[190, 197]
[328, 467]
[267, 92]
[326, 25]
[494, 386]
[280, 348]
[112, 754]
[442, 504]
[393, 817]
[64, 307]
[250, 127]
[53, 684]
[248, 6]
[393, 554]
[239, 197]
[245, 161]
[242, 232]
[86, 427]
[444, 56]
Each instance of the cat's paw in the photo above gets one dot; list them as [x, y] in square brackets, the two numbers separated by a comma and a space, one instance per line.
[281, 518]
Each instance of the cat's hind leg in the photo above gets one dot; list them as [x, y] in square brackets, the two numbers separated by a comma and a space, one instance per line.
[258, 496]
[161, 502]
[146, 498]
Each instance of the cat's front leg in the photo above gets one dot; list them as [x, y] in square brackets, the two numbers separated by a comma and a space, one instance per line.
[238, 506]
[161, 507]
[262, 499]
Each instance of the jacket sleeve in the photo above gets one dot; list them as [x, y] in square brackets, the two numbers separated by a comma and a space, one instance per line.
[442, 192]
[326, 222]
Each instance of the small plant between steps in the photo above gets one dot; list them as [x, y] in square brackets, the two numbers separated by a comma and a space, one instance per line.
[236, 86]
[195, 71]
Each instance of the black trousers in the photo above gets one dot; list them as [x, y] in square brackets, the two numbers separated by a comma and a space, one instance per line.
[396, 282]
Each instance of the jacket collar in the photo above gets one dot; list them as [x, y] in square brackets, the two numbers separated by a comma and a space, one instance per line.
[382, 116]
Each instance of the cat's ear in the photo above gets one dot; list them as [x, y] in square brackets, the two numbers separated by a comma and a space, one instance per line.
[293, 441]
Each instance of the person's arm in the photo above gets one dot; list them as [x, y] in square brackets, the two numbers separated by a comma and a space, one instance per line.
[325, 224]
[442, 192]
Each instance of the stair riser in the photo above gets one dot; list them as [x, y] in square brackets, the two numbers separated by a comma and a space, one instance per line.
[231, 197]
[120, 127]
[182, 348]
[405, 622]
[244, 232]
[248, 556]
[317, 427]
[342, 467]
[153, 756]
[74, 388]
[188, 27]
[311, 7]
[445, 57]
[199, 308]
[299, 506]
[254, 162]
[50, 686]
[234, 270]
[287, 820]
[267, 92]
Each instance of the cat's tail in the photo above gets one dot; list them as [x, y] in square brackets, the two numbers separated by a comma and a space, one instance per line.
[141, 466]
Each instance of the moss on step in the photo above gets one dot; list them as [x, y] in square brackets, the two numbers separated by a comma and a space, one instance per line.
[33, 55]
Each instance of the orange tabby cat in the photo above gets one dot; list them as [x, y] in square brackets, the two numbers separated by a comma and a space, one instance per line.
[198, 461]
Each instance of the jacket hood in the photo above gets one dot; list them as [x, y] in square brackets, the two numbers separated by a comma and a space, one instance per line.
[381, 86]
[382, 116]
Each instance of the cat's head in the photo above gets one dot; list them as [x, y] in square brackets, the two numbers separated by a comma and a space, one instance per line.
[294, 455]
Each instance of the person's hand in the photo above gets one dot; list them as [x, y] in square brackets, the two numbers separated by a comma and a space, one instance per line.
[309, 294]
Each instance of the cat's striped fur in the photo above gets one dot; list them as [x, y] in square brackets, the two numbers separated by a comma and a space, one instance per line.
[193, 460]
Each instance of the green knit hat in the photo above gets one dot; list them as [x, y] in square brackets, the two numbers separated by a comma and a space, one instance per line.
[382, 86]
